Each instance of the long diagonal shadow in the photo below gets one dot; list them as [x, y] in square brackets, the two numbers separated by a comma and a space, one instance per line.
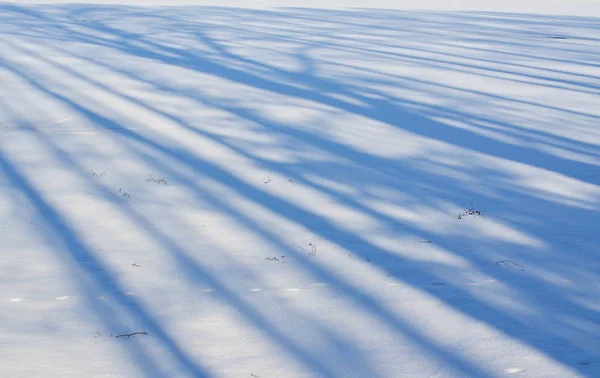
[378, 110]
[100, 282]
[194, 272]
[289, 211]
[320, 226]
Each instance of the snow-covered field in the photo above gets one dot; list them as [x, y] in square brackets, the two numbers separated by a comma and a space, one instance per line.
[294, 192]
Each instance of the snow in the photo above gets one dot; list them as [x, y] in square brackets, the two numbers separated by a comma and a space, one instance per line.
[559, 7]
[295, 192]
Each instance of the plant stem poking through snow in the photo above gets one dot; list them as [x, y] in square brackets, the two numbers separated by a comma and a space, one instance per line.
[274, 258]
[313, 249]
[157, 181]
[471, 212]
[268, 180]
[510, 264]
[121, 193]
[98, 175]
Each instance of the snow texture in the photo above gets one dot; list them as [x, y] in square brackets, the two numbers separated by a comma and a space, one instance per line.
[294, 192]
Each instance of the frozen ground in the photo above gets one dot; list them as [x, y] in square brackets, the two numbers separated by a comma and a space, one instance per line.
[276, 193]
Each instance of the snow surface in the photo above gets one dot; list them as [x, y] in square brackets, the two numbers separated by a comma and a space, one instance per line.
[561, 7]
[298, 192]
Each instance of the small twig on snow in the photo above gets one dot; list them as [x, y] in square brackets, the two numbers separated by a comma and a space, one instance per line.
[128, 335]
[157, 181]
[510, 264]
[121, 193]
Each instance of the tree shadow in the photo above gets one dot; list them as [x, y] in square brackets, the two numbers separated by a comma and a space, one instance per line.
[362, 97]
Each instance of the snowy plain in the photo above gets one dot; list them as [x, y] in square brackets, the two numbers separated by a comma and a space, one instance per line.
[254, 191]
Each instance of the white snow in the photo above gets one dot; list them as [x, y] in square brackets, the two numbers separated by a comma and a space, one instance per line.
[250, 191]
[560, 7]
